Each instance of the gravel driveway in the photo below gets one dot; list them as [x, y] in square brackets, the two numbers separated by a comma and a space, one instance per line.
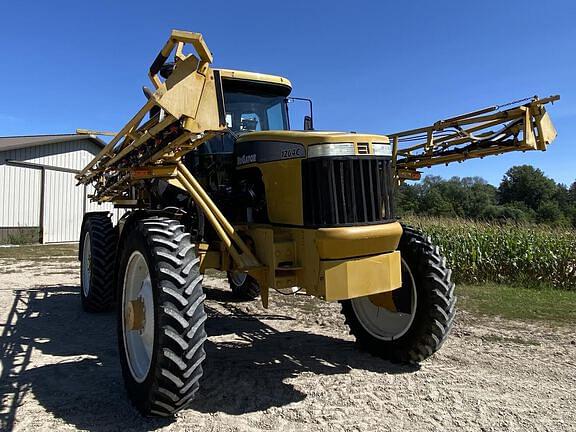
[290, 368]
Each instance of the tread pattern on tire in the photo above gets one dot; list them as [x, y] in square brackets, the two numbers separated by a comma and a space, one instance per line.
[103, 244]
[436, 305]
[181, 317]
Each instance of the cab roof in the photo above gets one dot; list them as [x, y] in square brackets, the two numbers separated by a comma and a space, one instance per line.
[254, 76]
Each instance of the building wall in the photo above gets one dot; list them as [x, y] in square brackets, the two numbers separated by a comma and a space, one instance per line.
[19, 196]
[64, 202]
[63, 212]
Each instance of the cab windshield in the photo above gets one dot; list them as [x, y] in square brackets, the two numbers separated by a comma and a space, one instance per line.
[254, 106]
[250, 106]
[249, 112]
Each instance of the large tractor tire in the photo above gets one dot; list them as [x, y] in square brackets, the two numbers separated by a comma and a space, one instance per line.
[97, 260]
[243, 286]
[411, 323]
[161, 316]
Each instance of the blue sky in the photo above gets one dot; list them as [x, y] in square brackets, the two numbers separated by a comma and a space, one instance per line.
[369, 66]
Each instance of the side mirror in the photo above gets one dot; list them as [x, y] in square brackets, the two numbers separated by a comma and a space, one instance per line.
[308, 123]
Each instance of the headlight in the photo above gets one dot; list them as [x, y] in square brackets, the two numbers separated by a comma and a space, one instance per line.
[346, 149]
[382, 149]
[334, 149]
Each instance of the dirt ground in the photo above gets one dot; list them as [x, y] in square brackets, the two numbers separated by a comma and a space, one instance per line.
[290, 368]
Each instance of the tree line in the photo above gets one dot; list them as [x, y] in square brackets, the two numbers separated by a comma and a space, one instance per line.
[525, 194]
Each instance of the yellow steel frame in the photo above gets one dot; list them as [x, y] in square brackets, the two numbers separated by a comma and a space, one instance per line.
[473, 135]
[187, 100]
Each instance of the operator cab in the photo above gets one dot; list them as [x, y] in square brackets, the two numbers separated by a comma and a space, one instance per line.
[253, 102]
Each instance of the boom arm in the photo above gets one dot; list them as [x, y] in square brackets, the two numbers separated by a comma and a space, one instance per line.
[186, 110]
[489, 131]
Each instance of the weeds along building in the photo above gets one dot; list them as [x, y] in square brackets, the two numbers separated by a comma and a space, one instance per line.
[39, 199]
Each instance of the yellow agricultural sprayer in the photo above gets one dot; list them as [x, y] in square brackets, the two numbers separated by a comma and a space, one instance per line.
[212, 176]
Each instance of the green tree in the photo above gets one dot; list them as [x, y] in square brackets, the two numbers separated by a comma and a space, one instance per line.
[481, 196]
[550, 212]
[571, 212]
[572, 193]
[524, 195]
[528, 185]
[407, 198]
[433, 203]
[465, 197]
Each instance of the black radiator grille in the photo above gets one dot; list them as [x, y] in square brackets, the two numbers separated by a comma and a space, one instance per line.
[347, 190]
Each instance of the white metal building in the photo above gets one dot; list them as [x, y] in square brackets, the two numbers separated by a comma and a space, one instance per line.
[39, 198]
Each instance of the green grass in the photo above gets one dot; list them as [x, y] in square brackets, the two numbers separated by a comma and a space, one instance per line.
[38, 252]
[519, 303]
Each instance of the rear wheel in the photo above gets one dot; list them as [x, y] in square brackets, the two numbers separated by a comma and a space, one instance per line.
[161, 319]
[411, 323]
[243, 285]
[97, 257]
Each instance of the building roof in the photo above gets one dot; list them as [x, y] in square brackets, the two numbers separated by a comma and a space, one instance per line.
[18, 142]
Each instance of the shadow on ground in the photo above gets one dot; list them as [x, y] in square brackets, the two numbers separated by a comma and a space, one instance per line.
[248, 361]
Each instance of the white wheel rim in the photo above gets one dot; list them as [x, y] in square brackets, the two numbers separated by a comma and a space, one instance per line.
[138, 343]
[382, 323]
[238, 278]
[86, 264]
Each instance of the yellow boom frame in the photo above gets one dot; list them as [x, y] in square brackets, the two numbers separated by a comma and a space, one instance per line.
[473, 135]
[188, 109]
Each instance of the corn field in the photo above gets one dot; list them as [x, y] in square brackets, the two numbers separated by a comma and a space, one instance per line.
[531, 255]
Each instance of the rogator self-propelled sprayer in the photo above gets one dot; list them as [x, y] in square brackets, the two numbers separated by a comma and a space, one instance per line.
[212, 176]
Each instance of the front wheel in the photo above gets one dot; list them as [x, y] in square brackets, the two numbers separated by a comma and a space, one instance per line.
[161, 317]
[412, 322]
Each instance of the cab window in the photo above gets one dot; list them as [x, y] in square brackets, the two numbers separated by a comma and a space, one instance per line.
[250, 106]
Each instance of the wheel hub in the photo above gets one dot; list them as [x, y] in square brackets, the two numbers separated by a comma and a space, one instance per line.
[136, 314]
[238, 278]
[383, 300]
[380, 314]
[86, 264]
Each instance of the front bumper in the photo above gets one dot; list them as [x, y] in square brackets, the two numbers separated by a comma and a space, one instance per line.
[330, 263]
[346, 279]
